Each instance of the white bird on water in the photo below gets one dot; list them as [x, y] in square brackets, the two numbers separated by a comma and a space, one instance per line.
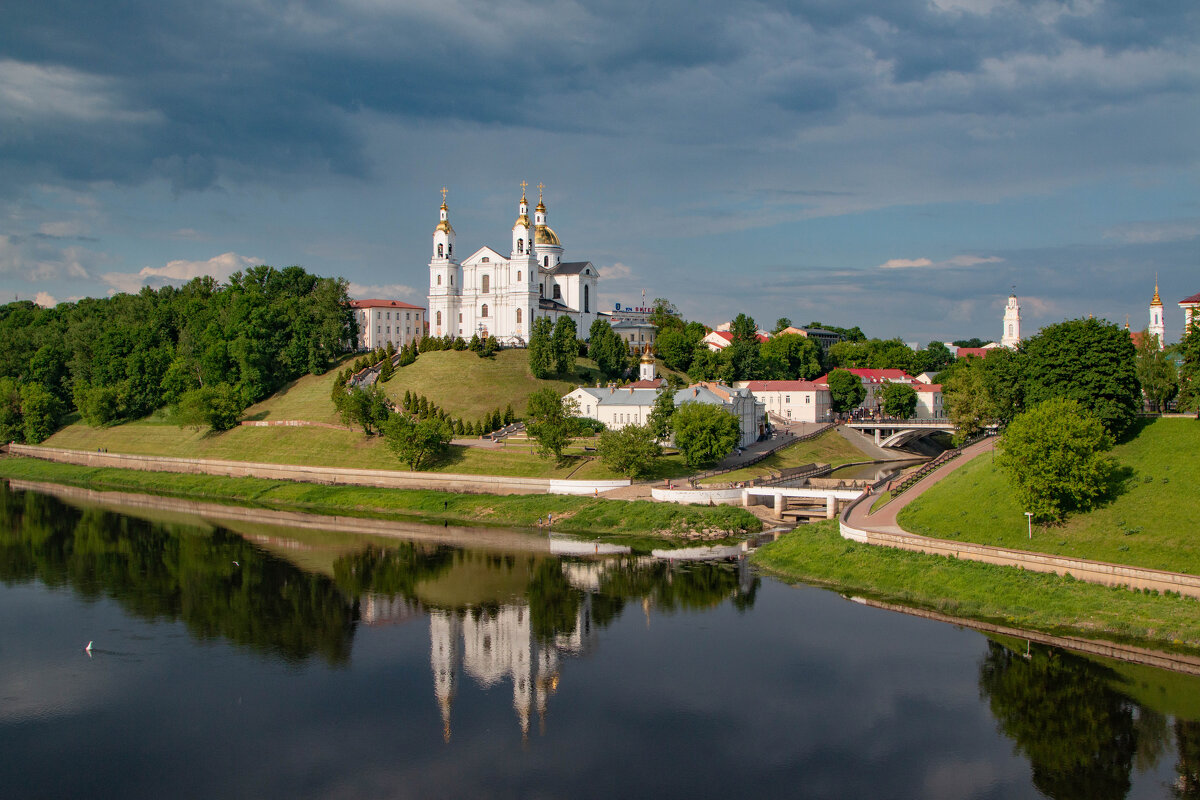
[88, 649]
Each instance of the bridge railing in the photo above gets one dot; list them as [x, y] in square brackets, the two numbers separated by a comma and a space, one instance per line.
[897, 422]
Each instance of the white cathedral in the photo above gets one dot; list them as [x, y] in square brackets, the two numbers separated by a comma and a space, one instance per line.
[490, 294]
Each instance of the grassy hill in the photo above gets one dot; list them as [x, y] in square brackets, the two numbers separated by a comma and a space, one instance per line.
[828, 448]
[1150, 523]
[468, 386]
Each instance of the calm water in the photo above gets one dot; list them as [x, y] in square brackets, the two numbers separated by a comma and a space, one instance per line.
[324, 665]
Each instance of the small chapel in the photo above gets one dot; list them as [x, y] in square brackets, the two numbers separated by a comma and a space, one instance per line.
[492, 294]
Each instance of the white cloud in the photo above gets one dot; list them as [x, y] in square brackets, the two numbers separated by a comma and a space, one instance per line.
[179, 271]
[45, 300]
[956, 261]
[388, 291]
[617, 271]
[62, 229]
[39, 262]
[34, 92]
[1176, 230]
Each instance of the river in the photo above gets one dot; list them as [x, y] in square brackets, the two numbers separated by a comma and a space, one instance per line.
[243, 659]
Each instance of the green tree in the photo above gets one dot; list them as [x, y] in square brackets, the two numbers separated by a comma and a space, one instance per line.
[607, 349]
[781, 324]
[1090, 361]
[1054, 455]
[565, 347]
[968, 403]
[216, 407]
[1189, 372]
[659, 419]
[39, 412]
[790, 356]
[551, 422]
[541, 348]
[664, 316]
[899, 400]
[846, 391]
[12, 427]
[1156, 373]
[704, 433]
[632, 450]
[417, 443]
[675, 349]
[386, 370]
[707, 365]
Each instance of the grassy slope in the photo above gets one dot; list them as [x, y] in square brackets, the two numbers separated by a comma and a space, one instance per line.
[1152, 523]
[468, 386]
[583, 514]
[817, 554]
[828, 448]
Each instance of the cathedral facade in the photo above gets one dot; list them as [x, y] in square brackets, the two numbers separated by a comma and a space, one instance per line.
[492, 294]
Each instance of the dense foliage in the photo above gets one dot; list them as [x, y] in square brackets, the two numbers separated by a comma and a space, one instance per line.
[845, 391]
[631, 450]
[704, 433]
[551, 422]
[1189, 373]
[122, 357]
[1054, 457]
[899, 400]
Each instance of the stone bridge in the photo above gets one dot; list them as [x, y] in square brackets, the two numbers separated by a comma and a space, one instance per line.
[896, 432]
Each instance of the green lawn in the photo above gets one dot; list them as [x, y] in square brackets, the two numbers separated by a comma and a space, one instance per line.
[828, 448]
[306, 398]
[818, 554]
[468, 386]
[580, 514]
[1151, 523]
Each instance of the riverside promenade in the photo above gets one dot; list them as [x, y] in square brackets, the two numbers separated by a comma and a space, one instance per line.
[881, 528]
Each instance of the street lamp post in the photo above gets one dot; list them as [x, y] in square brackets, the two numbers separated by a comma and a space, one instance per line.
[1029, 518]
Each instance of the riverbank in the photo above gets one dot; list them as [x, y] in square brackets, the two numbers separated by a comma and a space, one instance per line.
[817, 554]
[589, 515]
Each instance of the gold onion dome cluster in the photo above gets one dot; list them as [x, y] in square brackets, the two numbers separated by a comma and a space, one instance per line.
[544, 234]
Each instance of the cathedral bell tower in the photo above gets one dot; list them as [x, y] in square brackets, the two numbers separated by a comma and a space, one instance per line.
[1012, 324]
[445, 278]
[1157, 327]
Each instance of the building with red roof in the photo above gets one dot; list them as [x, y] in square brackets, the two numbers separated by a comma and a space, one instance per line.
[1191, 311]
[382, 321]
[719, 340]
[796, 401]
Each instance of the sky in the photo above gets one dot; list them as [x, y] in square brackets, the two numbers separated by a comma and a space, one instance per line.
[901, 165]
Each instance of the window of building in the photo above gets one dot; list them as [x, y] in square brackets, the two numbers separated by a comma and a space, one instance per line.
[387, 315]
[545, 261]
[460, 319]
[377, 315]
[585, 300]
[408, 315]
[379, 329]
[485, 284]
[557, 292]
[439, 319]
[787, 398]
[483, 310]
[451, 280]
[450, 249]
[389, 330]
[485, 260]
[439, 280]
[518, 276]
[541, 290]
[440, 253]
[518, 316]
[521, 246]
[808, 398]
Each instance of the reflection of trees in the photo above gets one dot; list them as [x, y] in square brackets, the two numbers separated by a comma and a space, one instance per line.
[1078, 733]
[1187, 740]
[679, 587]
[392, 570]
[158, 571]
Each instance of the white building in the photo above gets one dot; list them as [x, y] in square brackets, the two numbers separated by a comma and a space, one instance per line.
[929, 395]
[1191, 310]
[719, 340]
[929, 401]
[618, 407]
[491, 294]
[1157, 327]
[383, 321]
[798, 401]
[1012, 324]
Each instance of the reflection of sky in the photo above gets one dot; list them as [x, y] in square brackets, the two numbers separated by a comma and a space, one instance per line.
[803, 694]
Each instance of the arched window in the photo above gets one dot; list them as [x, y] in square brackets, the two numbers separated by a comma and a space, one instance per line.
[518, 276]
[483, 311]
[450, 249]
[440, 253]
[439, 319]
[485, 284]
[521, 246]
[585, 299]
[557, 292]
[518, 316]
[541, 290]
[545, 261]
[439, 280]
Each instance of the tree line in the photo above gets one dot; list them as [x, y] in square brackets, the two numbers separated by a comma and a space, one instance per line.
[206, 348]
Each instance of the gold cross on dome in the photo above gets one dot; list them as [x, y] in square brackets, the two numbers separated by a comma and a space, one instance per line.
[540, 187]
[443, 194]
[523, 185]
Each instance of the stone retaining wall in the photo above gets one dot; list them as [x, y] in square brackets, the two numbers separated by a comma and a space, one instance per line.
[719, 497]
[391, 479]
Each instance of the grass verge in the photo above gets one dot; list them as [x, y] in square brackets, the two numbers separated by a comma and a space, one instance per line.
[1150, 522]
[571, 514]
[817, 554]
[828, 448]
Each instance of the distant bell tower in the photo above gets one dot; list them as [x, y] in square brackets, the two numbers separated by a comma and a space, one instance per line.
[646, 370]
[1012, 324]
[1157, 328]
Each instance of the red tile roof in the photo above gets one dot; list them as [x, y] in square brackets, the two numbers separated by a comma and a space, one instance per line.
[978, 352]
[875, 375]
[376, 303]
[786, 386]
[657, 383]
[728, 336]
[927, 387]
[1193, 299]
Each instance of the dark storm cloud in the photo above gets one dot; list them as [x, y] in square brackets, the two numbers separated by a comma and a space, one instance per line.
[192, 93]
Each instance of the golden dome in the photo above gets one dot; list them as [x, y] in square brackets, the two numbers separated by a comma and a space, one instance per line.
[1157, 301]
[541, 206]
[522, 221]
[444, 226]
[546, 235]
[647, 358]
